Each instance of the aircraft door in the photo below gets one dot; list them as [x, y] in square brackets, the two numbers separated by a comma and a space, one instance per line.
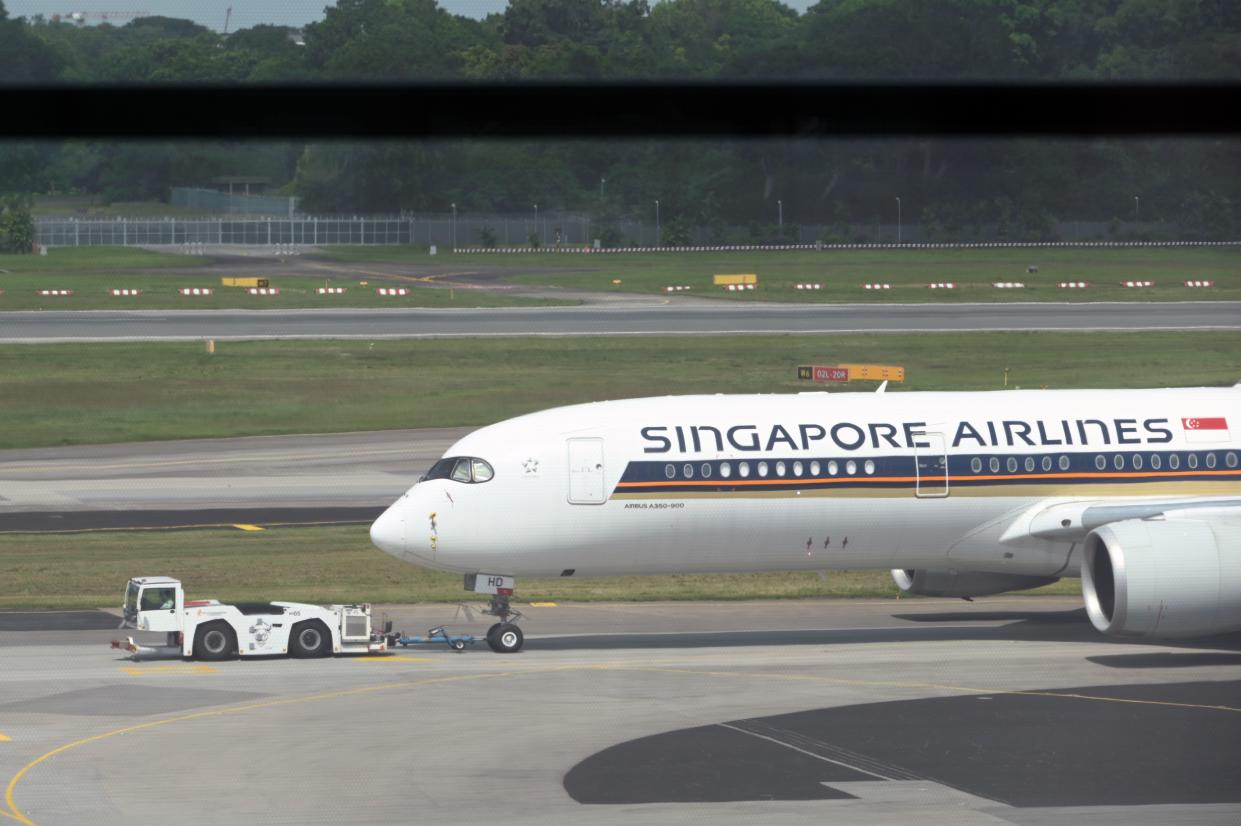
[931, 467]
[586, 472]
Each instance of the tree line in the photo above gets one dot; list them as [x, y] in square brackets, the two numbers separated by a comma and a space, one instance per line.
[949, 186]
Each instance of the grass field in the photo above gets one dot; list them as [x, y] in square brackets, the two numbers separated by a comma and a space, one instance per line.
[842, 272]
[338, 564]
[91, 393]
[91, 272]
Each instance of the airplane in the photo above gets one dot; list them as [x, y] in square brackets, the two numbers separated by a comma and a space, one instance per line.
[960, 494]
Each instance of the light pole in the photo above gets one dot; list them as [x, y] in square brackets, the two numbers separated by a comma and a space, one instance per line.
[454, 227]
[898, 219]
[1137, 208]
[537, 229]
[657, 222]
[780, 218]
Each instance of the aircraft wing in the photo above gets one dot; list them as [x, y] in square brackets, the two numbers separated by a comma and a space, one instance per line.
[1072, 521]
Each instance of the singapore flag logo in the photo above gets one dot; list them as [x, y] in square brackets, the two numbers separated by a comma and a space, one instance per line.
[1198, 429]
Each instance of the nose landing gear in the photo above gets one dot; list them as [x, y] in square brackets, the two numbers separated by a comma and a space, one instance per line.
[504, 637]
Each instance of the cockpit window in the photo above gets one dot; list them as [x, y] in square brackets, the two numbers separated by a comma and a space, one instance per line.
[467, 469]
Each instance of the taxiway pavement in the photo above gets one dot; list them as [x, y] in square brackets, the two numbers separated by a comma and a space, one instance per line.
[1006, 710]
[264, 479]
[639, 317]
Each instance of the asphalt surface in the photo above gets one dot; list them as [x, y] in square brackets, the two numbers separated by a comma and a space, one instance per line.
[1005, 710]
[340, 477]
[673, 317]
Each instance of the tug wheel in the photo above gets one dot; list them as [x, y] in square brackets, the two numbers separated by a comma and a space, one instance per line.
[214, 641]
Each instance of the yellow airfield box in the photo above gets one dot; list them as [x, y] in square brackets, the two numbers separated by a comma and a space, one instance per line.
[244, 282]
[739, 278]
[874, 372]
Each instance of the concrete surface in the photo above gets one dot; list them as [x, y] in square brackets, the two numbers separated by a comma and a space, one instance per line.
[433, 736]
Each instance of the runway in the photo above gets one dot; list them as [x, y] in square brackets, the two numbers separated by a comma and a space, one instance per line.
[673, 317]
[1006, 710]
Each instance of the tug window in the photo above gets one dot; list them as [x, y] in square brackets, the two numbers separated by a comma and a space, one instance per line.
[465, 469]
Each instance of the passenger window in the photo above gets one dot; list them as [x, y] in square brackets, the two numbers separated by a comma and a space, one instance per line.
[670, 471]
[744, 469]
[1100, 463]
[994, 464]
[1064, 462]
[688, 470]
[1118, 461]
[1137, 461]
[1211, 460]
[797, 469]
[706, 471]
[976, 465]
[726, 469]
[1029, 464]
[1156, 462]
[1174, 461]
[1192, 461]
[779, 468]
[1012, 464]
[762, 469]
[869, 467]
[832, 468]
[1230, 459]
[850, 467]
[815, 468]
[1046, 463]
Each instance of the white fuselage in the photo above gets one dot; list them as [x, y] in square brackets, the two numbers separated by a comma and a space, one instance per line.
[809, 481]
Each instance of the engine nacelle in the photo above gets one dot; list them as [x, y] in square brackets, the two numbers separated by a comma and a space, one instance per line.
[953, 583]
[1163, 578]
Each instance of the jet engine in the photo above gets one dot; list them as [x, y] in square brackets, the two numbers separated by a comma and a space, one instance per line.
[1163, 578]
[953, 583]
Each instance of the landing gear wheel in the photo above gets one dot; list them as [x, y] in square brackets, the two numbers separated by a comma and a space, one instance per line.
[214, 642]
[457, 645]
[310, 639]
[508, 639]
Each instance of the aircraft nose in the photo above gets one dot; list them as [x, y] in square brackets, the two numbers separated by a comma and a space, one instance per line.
[388, 531]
